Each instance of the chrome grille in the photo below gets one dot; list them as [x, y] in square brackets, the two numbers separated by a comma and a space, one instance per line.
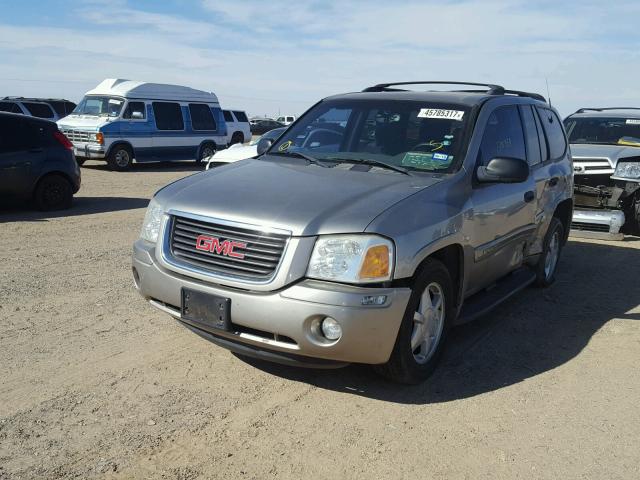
[590, 227]
[78, 135]
[261, 252]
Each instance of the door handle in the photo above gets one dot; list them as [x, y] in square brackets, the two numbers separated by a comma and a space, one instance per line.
[529, 196]
[553, 181]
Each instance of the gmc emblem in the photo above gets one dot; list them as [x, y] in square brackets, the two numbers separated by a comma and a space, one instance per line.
[214, 245]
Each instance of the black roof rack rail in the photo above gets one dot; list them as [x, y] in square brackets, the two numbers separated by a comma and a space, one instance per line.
[491, 88]
[381, 87]
[37, 99]
[582, 110]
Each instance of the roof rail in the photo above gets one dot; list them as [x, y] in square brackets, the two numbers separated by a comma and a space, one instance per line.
[37, 99]
[381, 87]
[491, 88]
[582, 110]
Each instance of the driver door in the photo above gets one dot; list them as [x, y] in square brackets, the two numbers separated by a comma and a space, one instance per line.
[503, 215]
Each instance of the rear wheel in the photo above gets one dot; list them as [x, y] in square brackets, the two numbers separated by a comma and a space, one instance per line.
[53, 192]
[207, 150]
[237, 137]
[551, 249]
[120, 158]
[424, 327]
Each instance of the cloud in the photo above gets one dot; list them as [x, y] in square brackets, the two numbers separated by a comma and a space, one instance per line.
[285, 55]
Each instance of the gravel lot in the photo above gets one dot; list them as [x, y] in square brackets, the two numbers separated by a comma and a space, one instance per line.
[94, 383]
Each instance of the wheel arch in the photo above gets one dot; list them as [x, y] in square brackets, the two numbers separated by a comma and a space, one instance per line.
[49, 173]
[120, 142]
[206, 142]
[564, 212]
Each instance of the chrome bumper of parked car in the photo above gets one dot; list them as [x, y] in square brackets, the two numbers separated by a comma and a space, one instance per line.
[602, 224]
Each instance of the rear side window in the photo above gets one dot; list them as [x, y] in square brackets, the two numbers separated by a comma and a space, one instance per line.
[241, 116]
[10, 107]
[227, 116]
[503, 136]
[40, 110]
[135, 107]
[201, 117]
[168, 116]
[59, 107]
[17, 134]
[554, 132]
[534, 155]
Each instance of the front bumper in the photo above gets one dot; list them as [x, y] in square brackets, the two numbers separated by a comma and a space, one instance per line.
[284, 324]
[602, 224]
[89, 150]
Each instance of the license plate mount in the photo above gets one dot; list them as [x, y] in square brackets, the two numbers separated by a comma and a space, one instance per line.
[210, 310]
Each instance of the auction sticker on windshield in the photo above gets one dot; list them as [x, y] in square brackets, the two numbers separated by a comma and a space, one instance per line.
[633, 121]
[441, 114]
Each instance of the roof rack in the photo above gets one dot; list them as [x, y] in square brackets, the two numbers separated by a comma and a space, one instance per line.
[582, 110]
[37, 99]
[492, 89]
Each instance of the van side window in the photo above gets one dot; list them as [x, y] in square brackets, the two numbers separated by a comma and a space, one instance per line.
[227, 116]
[534, 155]
[201, 117]
[554, 131]
[168, 116]
[135, 107]
[503, 135]
[241, 116]
[40, 110]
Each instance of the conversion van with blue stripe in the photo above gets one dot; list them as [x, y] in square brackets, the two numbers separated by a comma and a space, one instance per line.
[120, 121]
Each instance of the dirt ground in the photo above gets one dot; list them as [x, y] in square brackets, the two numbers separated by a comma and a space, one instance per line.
[95, 383]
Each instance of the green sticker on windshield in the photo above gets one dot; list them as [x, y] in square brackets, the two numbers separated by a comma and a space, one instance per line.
[285, 146]
[425, 161]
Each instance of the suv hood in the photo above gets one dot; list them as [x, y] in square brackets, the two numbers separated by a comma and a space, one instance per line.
[611, 152]
[304, 199]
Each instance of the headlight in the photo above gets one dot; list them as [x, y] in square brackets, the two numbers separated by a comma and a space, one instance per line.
[351, 258]
[629, 170]
[152, 222]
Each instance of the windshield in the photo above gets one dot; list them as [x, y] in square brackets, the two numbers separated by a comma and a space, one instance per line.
[604, 131]
[414, 135]
[99, 106]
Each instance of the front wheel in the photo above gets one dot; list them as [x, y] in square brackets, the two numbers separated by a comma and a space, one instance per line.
[120, 158]
[424, 327]
[551, 249]
[207, 150]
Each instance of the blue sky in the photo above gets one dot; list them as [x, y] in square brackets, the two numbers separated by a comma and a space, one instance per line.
[282, 55]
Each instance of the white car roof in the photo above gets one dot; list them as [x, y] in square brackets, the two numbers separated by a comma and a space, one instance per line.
[151, 91]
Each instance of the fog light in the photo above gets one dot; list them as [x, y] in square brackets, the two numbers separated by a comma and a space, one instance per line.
[374, 300]
[331, 329]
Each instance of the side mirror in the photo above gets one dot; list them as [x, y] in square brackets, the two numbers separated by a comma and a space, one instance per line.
[264, 144]
[504, 170]
[137, 115]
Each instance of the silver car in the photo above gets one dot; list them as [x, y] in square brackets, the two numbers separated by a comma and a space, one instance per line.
[375, 222]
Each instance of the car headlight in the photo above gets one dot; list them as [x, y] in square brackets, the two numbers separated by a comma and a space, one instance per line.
[351, 258]
[152, 221]
[629, 170]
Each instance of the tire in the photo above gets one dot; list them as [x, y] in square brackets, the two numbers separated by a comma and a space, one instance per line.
[237, 137]
[80, 161]
[53, 192]
[206, 150]
[551, 249]
[410, 364]
[120, 158]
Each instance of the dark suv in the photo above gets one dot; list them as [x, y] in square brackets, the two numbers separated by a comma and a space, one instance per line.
[373, 224]
[36, 162]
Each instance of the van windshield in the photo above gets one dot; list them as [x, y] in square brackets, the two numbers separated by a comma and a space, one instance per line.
[99, 106]
[414, 135]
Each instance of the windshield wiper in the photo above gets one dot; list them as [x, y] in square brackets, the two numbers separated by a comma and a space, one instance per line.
[372, 162]
[308, 158]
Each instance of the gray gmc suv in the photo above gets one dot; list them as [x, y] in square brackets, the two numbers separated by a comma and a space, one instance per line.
[376, 222]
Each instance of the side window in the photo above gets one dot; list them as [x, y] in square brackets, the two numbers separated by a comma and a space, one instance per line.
[10, 107]
[534, 155]
[241, 116]
[135, 107]
[17, 135]
[168, 116]
[40, 110]
[58, 106]
[503, 136]
[554, 132]
[201, 117]
[227, 116]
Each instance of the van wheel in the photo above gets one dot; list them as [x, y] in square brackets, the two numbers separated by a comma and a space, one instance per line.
[424, 327]
[237, 137]
[207, 150]
[120, 158]
[53, 192]
[551, 249]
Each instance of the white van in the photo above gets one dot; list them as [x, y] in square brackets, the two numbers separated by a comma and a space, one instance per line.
[122, 120]
[286, 119]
